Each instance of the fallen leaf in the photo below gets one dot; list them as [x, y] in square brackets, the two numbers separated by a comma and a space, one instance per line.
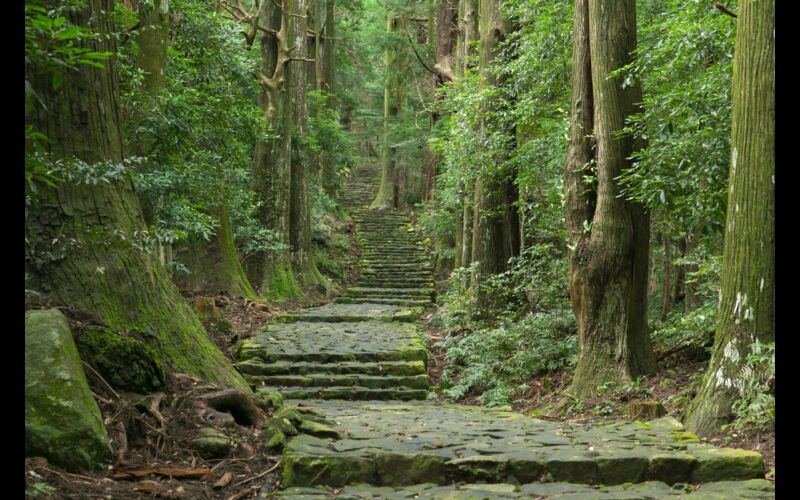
[223, 481]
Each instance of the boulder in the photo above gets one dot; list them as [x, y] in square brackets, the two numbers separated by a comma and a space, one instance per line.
[62, 421]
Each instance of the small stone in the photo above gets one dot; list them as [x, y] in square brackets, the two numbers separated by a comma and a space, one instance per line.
[271, 398]
[212, 444]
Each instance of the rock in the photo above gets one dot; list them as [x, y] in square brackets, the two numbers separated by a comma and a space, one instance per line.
[270, 398]
[206, 308]
[317, 429]
[62, 420]
[645, 410]
[276, 440]
[124, 361]
[212, 444]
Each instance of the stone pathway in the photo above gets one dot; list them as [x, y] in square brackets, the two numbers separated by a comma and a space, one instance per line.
[355, 380]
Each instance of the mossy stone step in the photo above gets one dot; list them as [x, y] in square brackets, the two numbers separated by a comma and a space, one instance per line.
[418, 442]
[734, 490]
[341, 380]
[354, 393]
[366, 341]
[354, 312]
[398, 301]
[254, 366]
[395, 292]
[371, 282]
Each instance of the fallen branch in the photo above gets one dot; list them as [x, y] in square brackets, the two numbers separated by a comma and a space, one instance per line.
[258, 476]
[137, 471]
[108, 386]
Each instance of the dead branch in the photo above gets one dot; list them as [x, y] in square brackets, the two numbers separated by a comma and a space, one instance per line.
[108, 386]
[725, 10]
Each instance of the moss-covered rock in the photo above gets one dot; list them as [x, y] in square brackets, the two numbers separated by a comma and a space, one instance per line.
[124, 361]
[271, 398]
[62, 420]
[212, 444]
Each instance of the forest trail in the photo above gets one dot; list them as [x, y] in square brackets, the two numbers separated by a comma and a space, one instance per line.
[368, 348]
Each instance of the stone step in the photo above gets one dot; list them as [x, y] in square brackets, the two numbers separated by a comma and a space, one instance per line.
[728, 490]
[402, 444]
[394, 283]
[404, 368]
[353, 312]
[280, 382]
[353, 393]
[398, 301]
[395, 292]
[326, 342]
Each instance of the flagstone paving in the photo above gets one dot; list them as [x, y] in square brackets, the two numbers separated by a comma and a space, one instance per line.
[357, 423]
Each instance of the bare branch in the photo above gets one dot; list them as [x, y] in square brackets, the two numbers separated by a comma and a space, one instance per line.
[414, 48]
[304, 59]
[724, 9]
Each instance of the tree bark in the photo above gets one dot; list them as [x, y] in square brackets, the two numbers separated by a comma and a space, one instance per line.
[153, 44]
[386, 192]
[490, 226]
[81, 248]
[329, 52]
[272, 171]
[214, 265]
[747, 292]
[299, 203]
[608, 268]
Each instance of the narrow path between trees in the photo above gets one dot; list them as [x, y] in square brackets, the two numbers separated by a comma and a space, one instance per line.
[354, 376]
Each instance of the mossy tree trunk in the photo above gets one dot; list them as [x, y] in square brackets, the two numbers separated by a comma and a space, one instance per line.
[610, 236]
[214, 265]
[747, 292]
[466, 49]
[490, 208]
[81, 249]
[386, 192]
[299, 203]
[329, 52]
[272, 172]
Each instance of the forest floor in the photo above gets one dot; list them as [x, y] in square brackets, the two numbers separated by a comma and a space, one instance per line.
[156, 443]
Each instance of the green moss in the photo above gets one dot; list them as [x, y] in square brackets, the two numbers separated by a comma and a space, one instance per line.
[280, 283]
[62, 420]
[685, 437]
[124, 361]
[721, 464]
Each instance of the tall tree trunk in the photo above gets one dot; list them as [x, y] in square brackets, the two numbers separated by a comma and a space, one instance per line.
[214, 265]
[386, 192]
[747, 292]
[272, 173]
[329, 53]
[80, 239]
[680, 274]
[469, 35]
[608, 268]
[667, 265]
[299, 203]
[153, 44]
[489, 211]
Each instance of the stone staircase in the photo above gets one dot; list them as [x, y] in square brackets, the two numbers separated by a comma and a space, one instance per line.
[364, 347]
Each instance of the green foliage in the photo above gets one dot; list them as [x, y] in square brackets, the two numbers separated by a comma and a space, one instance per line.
[197, 134]
[755, 408]
[53, 49]
[497, 362]
[40, 488]
[684, 62]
